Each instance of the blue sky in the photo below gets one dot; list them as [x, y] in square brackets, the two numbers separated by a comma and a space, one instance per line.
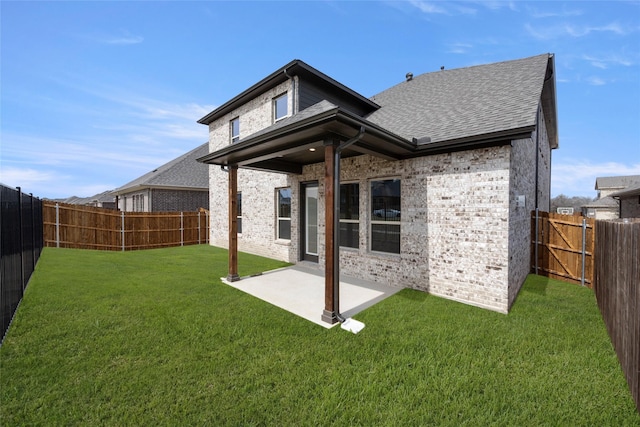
[95, 94]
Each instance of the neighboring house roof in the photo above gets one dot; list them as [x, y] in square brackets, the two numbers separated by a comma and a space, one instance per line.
[613, 182]
[456, 109]
[629, 192]
[182, 172]
[104, 197]
[467, 102]
[604, 202]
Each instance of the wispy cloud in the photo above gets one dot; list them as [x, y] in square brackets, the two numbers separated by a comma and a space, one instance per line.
[534, 12]
[576, 31]
[578, 178]
[124, 38]
[428, 7]
[459, 48]
[606, 61]
[596, 81]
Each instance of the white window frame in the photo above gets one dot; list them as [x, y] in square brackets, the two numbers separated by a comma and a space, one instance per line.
[233, 138]
[282, 218]
[373, 222]
[275, 107]
[352, 221]
[239, 208]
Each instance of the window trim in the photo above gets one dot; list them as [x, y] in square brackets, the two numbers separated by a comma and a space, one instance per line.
[275, 107]
[282, 218]
[352, 221]
[234, 138]
[239, 208]
[372, 221]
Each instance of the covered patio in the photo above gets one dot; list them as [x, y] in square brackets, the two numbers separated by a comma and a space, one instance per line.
[323, 133]
[300, 290]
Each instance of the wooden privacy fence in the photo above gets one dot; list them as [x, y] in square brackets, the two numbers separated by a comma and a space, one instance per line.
[617, 289]
[85, 227]
[563, 247]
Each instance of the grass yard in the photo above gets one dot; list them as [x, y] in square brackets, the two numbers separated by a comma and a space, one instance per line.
[154, 338]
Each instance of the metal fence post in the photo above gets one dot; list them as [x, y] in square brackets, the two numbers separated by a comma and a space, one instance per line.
[57, 225]
[21, 225]
[33, 233]
[181, 229]
[584, 248]
[198, 227]
[122, 229]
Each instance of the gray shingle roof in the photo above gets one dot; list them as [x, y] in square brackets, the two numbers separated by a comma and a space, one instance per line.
[464, 102]
[628, 192]
[604, 202]
[183, 171]
[617, 181]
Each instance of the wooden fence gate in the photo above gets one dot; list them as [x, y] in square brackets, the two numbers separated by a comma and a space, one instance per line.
[563, 247]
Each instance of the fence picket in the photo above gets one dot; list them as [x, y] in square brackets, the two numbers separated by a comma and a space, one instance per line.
[87, 227]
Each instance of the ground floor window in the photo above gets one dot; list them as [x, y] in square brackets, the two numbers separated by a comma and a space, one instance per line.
[350, 215]
[385, 216]
[138, 203]
[239, 212]
[283, 211]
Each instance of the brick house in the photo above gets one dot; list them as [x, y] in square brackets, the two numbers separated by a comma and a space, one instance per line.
[629, 200]
[437, 176]
[606, 206]
[179, 185]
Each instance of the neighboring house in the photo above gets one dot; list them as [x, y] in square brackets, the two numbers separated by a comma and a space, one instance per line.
[106, 199]
[437, 178]
[629, 200]
[180, 185]
[605, 206]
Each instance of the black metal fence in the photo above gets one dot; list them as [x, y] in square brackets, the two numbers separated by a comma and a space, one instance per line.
[21, 244]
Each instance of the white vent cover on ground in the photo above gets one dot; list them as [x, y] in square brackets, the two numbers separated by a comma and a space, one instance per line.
[352, 325]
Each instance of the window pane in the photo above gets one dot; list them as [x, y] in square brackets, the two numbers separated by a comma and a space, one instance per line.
[385, 238]
[284, 229]
[349, 201]
[280, 105]
[349, 234]
[284, 203]
[385, 200]
[235, 130]
[239, 225]
[239, 204]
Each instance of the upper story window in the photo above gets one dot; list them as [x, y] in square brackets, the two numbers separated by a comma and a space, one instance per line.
[280, 107]
[385, 216]
[234, 130]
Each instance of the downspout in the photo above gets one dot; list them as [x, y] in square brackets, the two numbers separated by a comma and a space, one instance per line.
[536, 241]
[537, 152]
[336, 221]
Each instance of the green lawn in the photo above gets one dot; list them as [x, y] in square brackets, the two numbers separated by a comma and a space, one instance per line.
[154, 338]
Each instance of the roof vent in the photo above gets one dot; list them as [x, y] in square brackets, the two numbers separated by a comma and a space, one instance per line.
[409, 76]
[442, 68]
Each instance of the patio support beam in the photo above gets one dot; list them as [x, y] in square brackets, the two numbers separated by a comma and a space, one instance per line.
[329, 313]
[233, 224]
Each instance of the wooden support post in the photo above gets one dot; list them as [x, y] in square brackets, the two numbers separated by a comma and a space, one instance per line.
[233, 224]
[329, 314]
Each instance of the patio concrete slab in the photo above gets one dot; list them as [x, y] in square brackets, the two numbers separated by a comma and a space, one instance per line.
[300, 290]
